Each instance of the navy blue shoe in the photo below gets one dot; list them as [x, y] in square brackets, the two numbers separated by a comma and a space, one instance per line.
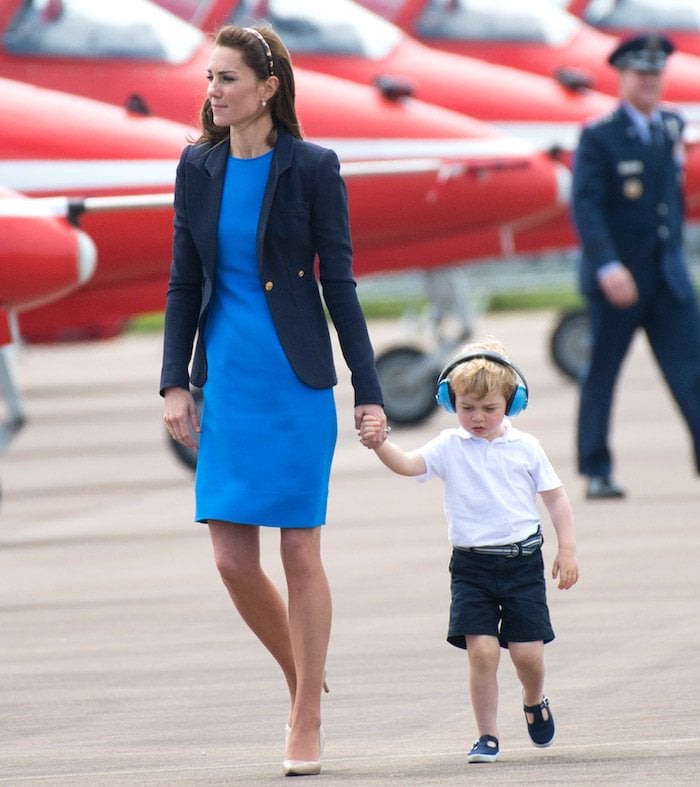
[541, 729]
[484, 750]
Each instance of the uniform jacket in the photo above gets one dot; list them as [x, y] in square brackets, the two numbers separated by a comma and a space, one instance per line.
[304, 214]
[627, 200]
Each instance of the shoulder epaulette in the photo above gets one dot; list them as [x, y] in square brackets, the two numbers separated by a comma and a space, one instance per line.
[599, 120]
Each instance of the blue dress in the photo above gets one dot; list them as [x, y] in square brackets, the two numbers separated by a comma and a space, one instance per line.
[267, 438]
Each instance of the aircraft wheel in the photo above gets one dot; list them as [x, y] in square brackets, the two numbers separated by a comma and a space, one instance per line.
[570, 343]
[408, 381]
[186, 455]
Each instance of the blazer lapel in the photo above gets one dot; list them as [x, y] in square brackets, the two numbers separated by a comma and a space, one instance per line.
[281, 160]
[206, 193]
[205, 187]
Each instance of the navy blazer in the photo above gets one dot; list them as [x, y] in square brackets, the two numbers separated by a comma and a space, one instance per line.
[627, 201]
[304, 215]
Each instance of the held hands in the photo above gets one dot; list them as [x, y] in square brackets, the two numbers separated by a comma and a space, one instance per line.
[565, 567]
[373, 431]
[180, 416]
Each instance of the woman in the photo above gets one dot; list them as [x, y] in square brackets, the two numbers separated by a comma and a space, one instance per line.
[254, 206]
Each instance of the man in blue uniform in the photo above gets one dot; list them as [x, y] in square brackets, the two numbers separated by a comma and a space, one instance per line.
[627, 207]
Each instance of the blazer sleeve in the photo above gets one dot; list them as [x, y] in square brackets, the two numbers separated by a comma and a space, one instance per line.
[184, 295]
[331, 229]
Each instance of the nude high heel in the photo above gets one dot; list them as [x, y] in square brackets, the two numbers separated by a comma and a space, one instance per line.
[305, 767]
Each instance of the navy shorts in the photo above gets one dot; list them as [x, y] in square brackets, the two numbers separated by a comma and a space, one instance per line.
[500, 596]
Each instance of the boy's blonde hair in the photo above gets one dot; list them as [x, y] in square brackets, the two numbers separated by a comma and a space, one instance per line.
[480, 376]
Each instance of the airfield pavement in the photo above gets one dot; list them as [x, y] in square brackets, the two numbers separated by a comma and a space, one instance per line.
[123, 663]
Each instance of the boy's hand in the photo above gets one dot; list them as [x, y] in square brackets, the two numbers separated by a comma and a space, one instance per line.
[566, 568]
[372, 432]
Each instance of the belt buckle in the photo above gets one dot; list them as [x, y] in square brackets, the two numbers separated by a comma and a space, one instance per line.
[515, 550]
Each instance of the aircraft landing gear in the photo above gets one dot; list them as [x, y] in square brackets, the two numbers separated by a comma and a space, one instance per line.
[16, 416]
[570, 343]
[408, 375]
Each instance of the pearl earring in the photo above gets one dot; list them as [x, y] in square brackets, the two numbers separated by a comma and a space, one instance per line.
[263, 103]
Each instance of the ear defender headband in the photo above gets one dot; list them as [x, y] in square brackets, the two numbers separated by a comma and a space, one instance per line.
[445, 396]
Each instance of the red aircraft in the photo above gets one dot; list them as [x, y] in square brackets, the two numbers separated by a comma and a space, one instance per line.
[534, 36]
[42, 257]
[133, 54]
[427, 187]
[678, 19]
[50, 42]
[343, 39]
[93, 150]
[151, 61]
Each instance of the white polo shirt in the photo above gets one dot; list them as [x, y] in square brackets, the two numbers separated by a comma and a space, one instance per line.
[490, 486]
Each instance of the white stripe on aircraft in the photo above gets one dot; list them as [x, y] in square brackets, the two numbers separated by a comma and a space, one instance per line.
[374, 156]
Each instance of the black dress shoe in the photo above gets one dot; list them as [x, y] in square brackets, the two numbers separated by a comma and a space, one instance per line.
[602, 487]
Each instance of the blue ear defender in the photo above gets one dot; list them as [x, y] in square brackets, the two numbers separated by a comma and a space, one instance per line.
[445, 397]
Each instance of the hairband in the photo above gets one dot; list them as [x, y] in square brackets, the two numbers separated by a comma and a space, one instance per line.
[266, 47]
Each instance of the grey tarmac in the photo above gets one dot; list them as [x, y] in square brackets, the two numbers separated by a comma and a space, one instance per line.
[123, 663]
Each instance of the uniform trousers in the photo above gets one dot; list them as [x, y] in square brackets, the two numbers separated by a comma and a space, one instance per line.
[672, 327]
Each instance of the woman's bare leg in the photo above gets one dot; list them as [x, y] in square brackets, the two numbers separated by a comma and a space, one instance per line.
[309, 631]
[237, 557]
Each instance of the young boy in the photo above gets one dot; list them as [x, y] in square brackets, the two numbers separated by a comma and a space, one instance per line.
[492, 474]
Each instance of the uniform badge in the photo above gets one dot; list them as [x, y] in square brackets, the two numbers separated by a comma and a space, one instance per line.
[673, 127]
[633, 188]
[634, 167]
[679, 154]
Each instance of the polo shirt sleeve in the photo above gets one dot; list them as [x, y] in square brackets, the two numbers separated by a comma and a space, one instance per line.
[434, 455]
[543, 472]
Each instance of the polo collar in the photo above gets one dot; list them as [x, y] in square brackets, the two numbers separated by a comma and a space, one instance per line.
[509, 435]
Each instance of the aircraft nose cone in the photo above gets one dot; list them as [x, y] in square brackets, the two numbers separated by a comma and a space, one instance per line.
[86, 258]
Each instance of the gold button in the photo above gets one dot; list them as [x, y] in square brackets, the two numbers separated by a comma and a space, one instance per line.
[300, 274]
[268, 285]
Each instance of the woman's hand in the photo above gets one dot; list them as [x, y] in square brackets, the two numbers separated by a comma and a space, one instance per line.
[180, 416]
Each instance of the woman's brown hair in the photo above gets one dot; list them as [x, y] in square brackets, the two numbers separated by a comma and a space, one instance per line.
[255, 56]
